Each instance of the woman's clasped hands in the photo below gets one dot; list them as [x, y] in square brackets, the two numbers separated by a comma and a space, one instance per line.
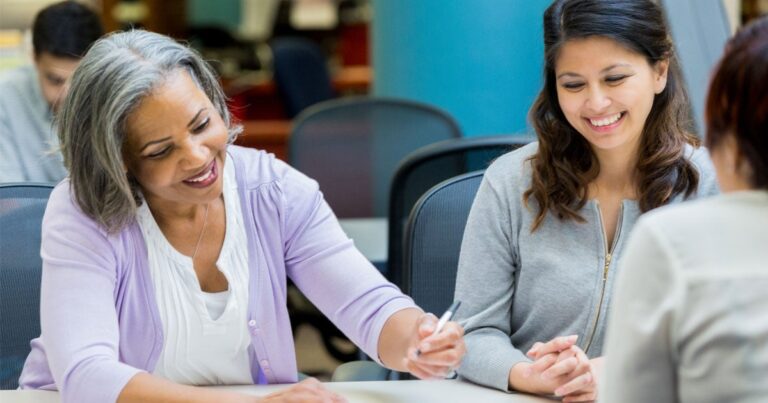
[560, 367]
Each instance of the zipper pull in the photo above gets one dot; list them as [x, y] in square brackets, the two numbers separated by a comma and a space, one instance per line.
[607, 265]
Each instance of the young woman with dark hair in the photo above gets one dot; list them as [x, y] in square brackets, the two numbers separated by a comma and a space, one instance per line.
[690, 316]
[549, 222]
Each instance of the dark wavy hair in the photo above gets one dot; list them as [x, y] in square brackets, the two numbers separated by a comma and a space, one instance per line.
[737, 104]
[565, 164]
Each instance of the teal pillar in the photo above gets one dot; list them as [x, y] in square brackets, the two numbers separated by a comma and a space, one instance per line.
[481, 60]
[220, 13]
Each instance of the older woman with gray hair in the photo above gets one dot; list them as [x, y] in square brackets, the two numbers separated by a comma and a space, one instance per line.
[167, 250]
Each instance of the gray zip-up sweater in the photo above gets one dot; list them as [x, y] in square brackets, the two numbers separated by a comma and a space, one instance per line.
[519, 287]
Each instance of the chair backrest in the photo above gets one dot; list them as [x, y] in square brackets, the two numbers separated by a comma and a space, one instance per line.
[352, 146]
[301, 74]
[433, 241]
[21, 214]
[429, 166]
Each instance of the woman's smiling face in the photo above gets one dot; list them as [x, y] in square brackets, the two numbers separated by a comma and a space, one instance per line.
[606, 91]
[176, 143]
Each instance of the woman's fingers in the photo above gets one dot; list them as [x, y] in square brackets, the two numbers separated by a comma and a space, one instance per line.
[444, 348]
[583, 383]
[555, 345]
[561, 368]
[582, 397]
[426, 371]
[541, 364]
[308, 390]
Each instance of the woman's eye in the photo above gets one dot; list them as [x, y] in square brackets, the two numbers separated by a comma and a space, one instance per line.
[201, 126]
[615, 79]
[573, 86]
[160, 153]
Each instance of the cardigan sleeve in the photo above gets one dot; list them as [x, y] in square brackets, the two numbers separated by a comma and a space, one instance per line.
[485, 282]
[639, 348]
[330, 271]
[77, 306]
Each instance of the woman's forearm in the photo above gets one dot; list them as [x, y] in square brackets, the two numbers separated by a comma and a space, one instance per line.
[145, 388]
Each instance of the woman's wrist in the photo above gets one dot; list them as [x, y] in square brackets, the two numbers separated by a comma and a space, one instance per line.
[518, 381]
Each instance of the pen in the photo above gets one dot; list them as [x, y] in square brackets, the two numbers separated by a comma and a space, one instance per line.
[444, 319]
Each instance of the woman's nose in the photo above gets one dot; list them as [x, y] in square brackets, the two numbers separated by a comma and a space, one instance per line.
[597, 100]
[198, 152]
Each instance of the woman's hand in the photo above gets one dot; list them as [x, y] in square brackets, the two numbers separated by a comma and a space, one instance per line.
[567, 368]
[309, 390]
[581, 375]
[529, 377]
[434, 356]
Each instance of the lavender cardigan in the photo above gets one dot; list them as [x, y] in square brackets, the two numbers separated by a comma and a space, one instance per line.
[99, 319]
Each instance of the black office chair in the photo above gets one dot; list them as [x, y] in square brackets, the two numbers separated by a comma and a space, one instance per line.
[21, 214]
[352, 147]
[429, 166]
[434, 233]
[433, 241]
[301, 74]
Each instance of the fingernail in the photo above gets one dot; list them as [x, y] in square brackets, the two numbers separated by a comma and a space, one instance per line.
[424, 347]
[558, 392]
[573, 337]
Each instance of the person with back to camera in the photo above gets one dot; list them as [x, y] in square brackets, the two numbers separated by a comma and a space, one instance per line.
[550, 219]
[166, 252]
[30, 95]
[690, 316]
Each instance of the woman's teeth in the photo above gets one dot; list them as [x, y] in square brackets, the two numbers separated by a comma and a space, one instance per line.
[605, 121]
[202, 178]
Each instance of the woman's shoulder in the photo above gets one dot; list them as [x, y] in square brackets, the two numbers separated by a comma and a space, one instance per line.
[514, 167]
[686, 222]
[63, 211]
[258, 169]
[699, 157]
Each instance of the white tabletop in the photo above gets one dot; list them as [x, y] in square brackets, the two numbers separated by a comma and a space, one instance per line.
[355, 392]
[370, 236]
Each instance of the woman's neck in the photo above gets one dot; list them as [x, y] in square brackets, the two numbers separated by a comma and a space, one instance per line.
[618, 171]
[165, 211]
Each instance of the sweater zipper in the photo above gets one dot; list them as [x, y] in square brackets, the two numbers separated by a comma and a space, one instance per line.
[606, 266]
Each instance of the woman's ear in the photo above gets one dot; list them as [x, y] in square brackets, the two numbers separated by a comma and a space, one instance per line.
[660, 73]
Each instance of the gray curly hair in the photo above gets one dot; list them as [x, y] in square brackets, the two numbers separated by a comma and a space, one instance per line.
[114, 76]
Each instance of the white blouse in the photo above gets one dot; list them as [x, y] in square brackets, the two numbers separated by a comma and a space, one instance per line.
[690, 309]
[206, 336]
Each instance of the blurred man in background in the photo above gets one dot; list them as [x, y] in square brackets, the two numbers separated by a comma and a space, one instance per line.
[30, 95]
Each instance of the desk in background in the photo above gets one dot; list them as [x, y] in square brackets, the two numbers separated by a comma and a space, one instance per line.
[355, 392]
[267, 135]
[370, 236]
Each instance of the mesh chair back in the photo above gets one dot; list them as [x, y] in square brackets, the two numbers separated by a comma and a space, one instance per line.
[352, 146]
[433, 241]
[21, 214]
[301, 74]
[429, 166]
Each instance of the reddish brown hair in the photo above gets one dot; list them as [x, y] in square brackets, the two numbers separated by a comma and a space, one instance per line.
[737, 104]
